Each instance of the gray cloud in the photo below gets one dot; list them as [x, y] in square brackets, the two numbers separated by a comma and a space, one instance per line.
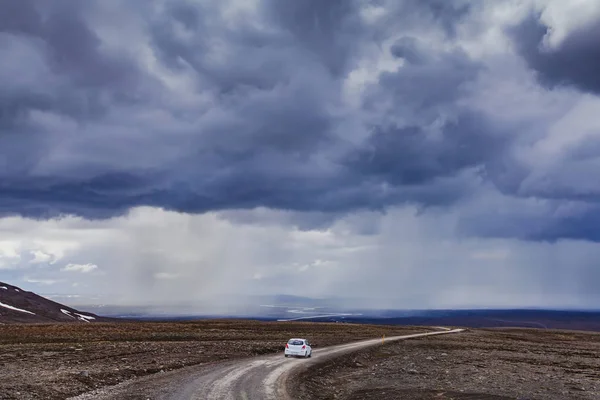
[267, 135]
[574, 62]
[328, 31]
[413, 156]
[399, 150]
[60, 34]
[423, 16]
[529, 219]
[428, 84]
[312, 107]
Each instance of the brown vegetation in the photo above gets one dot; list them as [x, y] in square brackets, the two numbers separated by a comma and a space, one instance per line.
[55, 361]
[477, 364]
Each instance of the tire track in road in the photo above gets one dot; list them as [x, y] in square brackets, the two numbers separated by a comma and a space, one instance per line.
[220, 390]
[259, 378]
[265, 378]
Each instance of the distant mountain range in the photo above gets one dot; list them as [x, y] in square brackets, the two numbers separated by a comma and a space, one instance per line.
[17, 305]
[20, 306]
[494, 318]
[288, 308]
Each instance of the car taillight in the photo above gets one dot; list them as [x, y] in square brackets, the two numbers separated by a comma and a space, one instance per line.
[287, 346]
[303, 347]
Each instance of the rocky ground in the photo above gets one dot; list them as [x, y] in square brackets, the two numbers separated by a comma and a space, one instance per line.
[56, 361]
[477, 364]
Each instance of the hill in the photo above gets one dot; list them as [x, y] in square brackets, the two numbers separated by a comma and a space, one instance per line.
[20, 306]
[579, 320]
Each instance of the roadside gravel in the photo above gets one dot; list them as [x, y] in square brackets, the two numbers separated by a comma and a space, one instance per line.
[477, 364]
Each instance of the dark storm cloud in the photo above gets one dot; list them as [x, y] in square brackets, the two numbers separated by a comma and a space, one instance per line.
[533, 220]
[233, 59]
[267, 130]
[541, 201]
[72, 48]
[327, 30]
[71, 73]
[429, 82]
[447, 13]
[575, 61]
[411, 156]
[583, 226]
[419, 151]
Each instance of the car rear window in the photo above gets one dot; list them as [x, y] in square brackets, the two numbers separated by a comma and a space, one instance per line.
[296, 342]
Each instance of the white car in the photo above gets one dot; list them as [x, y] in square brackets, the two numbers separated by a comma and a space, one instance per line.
[298, 347]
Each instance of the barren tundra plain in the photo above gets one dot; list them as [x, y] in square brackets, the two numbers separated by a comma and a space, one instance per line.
[480, 364]
[58, 361]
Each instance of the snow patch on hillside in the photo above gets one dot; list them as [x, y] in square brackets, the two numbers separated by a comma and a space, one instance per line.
[85, 318]
[80, 317]
[15, 308]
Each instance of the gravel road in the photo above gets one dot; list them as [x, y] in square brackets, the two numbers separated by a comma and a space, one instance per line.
[254, 378]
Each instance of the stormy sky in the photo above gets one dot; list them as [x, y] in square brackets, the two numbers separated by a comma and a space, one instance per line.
[416, 153]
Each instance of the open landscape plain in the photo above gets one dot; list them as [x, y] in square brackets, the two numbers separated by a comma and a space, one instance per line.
[58, 361]
[482, 364]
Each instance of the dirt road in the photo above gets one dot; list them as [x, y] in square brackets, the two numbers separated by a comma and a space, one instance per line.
[58, 361]
[255, 378]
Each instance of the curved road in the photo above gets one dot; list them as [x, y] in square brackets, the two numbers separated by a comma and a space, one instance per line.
[256, 378]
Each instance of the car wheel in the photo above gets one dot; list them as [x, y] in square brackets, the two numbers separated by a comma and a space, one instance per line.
[286, 356]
